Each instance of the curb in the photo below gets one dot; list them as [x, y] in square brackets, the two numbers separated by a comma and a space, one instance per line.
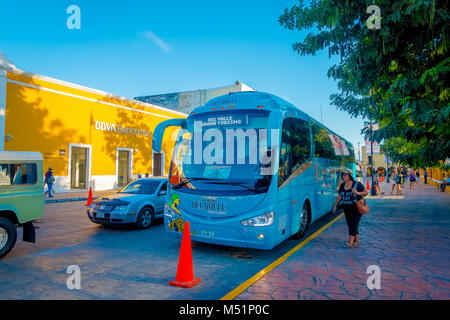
[68, 200]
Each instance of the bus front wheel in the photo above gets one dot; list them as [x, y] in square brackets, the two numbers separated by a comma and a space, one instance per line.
[8, 236]
[304, 221]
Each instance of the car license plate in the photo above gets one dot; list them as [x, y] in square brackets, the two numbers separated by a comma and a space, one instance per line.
[207, 234]
[100, 215]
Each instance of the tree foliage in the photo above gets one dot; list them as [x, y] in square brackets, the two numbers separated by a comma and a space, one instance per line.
[396, 75]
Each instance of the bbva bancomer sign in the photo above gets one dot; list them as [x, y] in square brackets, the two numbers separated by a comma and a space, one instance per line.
[111, 127]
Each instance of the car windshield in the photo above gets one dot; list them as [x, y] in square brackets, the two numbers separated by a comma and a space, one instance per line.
[230, 154]
[141, 187]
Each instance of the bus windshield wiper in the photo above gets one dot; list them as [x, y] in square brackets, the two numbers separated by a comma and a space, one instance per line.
[184, 182]
[237, 184]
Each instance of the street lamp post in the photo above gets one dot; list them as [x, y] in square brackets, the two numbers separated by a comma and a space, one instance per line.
[359, 151]
[373, 192]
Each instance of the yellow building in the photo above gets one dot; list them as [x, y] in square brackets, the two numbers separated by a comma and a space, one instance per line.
[90, 138]
[381, 163]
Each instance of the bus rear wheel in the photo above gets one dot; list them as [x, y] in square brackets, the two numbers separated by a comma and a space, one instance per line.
[304, 221]
[8, 236]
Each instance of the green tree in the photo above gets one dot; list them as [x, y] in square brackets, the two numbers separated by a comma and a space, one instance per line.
[396, 75]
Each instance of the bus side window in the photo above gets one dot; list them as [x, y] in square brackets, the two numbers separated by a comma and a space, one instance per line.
[323, 145]
[295, 147]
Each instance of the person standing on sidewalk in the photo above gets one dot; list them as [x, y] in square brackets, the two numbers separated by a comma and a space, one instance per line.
[425, 175]
[393, 182]
[412, 179]
[397, 183]
[49, 180]
[351, 191]
[376, 182]
[417, 176]
[404, 176]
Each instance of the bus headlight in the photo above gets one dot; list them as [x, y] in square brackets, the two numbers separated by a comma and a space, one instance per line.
[263, 220]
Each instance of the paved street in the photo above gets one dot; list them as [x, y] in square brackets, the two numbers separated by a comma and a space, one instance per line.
[406, 236]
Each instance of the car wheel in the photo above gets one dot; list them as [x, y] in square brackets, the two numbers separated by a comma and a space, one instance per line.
[8, 236]
[304, 221]
[145, 218]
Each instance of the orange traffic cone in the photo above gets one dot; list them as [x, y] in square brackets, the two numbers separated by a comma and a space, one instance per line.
[89, 201]
[368, 187]
[185, 271]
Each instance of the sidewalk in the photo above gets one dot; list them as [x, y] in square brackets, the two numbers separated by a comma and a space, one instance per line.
[407, 237]
[77, 196]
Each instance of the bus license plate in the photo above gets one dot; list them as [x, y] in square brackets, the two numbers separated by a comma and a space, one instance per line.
[100, 215]
[207, 234]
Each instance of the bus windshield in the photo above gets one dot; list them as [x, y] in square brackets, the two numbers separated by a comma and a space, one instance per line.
[220, 153]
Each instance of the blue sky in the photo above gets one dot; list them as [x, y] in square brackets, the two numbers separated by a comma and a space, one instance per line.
[136, 47]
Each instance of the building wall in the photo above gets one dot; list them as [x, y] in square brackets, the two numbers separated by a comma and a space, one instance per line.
[188, 100]
[379, 161]
[48, 115]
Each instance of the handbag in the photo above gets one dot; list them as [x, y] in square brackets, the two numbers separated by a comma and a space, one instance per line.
[362, 206]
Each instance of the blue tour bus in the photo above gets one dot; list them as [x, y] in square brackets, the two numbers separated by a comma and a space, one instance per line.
[233, 197]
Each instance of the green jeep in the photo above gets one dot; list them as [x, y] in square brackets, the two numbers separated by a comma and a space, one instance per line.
[21, 196]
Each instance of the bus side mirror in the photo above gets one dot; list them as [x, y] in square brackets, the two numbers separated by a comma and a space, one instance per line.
[161, 128]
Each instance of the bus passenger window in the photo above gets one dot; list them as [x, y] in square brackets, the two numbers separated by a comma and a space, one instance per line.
[323, 145]
[295, 147]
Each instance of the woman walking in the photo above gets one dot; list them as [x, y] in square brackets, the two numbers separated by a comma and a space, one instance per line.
[398, 182]
[394, 182]
[376, 183]
[350, 191]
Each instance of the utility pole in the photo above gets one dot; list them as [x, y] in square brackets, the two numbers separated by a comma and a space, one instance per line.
[359, 151]
[373, 192]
